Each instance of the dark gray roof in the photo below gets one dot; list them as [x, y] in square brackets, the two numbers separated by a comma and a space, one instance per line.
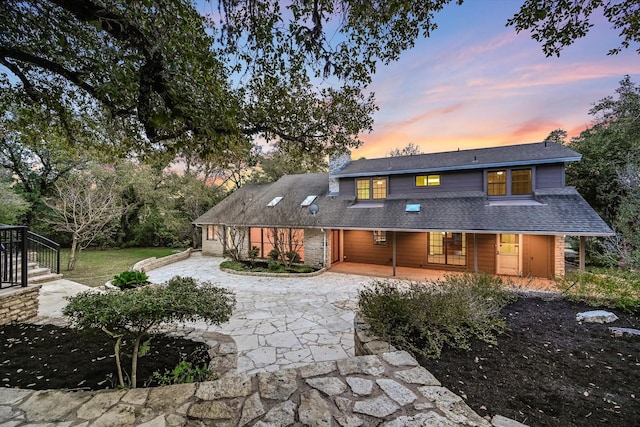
[552, 211]
[510, 155]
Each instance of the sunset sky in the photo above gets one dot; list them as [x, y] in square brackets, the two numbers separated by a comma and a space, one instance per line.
[476, 83]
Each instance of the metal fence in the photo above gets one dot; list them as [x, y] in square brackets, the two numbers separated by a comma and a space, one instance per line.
[13, 256]
[18, 248]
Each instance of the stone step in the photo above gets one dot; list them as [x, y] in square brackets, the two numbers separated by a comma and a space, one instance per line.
[44, 278]
[38, 271]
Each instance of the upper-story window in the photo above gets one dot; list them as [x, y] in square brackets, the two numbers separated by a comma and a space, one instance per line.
[371, 188]
[509, 182]
[427, 180]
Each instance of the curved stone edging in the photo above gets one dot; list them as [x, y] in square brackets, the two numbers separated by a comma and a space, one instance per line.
[153, 262]
[366, 343]
[266, 274]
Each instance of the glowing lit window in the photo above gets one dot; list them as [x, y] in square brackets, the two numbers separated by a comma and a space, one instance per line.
[363, 189]
[212, 232]
[497, 183]
[427, 180]
[371, 188]
[379, 237]
[521, 181]
[447, 248]
[379, 188]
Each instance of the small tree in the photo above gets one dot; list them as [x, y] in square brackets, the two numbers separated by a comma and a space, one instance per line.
[287, 242]
[411, 149]
[84, 206]
[137, 312]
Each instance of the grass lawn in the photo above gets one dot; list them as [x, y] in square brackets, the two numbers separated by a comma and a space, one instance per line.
[95, 267]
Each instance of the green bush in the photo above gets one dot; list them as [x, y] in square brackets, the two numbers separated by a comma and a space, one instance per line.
[423, 318]
[274, 254]
[607, 287]
[293, 256]
[137, 314]
[130, 279]
[193, 369]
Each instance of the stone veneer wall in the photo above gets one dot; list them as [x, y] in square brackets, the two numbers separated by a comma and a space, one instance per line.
[558, 256]
[211, 247]
[19, 304]
[313, 252]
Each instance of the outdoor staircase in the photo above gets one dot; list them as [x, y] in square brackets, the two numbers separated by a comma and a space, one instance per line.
[37, 274]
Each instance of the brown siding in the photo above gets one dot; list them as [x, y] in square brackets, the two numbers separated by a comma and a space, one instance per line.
[458, 181]
[359, 247]
[550, 176]
[411, 249]
[486, 253]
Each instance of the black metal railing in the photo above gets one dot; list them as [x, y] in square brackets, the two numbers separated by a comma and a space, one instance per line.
[13, 256]
[43, 251]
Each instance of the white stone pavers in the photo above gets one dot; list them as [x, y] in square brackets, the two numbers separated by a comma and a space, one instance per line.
[286, 313]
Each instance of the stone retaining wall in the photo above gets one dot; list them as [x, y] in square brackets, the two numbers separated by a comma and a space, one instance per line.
[19, 304]
[365, 342]
[153, 263]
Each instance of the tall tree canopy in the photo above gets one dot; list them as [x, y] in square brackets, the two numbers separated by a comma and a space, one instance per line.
[164, 77]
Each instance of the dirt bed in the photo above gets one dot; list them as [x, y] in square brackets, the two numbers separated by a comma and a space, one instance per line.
[39, 357]
[549, 369]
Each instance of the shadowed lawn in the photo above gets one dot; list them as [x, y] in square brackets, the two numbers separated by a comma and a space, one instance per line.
[95, 267]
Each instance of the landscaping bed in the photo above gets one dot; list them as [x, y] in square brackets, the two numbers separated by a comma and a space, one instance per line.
[40, 357]
[548, 369]
[259, 266]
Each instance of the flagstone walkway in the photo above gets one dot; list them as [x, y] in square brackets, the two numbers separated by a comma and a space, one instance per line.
[280, 321]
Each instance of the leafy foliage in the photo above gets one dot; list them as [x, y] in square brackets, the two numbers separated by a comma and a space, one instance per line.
[422, 318]
[612, 288]
[558, 23]
[193, 369]
[13, 205]
[139, 311]
[130, 279]
[607, 175]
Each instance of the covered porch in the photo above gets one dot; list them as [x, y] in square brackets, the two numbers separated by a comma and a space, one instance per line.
[426, 275]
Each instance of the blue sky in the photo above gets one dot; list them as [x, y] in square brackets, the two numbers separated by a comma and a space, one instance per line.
[476, 83]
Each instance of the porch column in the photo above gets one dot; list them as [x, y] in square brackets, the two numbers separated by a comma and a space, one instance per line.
[475, 253]
[582, 252]
[393, 256]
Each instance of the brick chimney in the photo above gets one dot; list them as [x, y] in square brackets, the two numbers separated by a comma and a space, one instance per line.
[337, 162]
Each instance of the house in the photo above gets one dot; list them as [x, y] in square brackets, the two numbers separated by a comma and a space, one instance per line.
[501, 210]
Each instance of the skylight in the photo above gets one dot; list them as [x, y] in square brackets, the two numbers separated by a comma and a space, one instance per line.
[412, 207]
[275, 201]
[308, 201]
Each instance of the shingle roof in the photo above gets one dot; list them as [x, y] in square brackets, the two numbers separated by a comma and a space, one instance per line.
[510, 155]
[553, 211]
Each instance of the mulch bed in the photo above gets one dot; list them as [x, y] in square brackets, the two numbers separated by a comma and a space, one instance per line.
[549, 369]
[40, 357]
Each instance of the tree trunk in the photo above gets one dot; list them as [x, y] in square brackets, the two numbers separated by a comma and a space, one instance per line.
[72, 255]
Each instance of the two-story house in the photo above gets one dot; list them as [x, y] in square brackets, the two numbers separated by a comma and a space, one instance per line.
[502, 210]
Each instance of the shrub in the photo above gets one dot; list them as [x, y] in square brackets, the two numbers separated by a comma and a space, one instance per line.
[253, 253]
[422, 318]
[610, 288]
[193, 369]
[293, 257]
[181, 299]
[130, 279]
[274, 254]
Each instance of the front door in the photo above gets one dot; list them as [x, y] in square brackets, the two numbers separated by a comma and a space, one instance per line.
[508, 256]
